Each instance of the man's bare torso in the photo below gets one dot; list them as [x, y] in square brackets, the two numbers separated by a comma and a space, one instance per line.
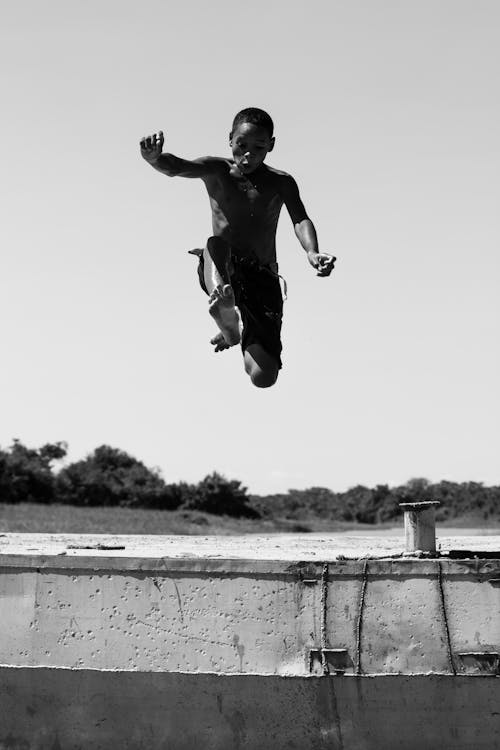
[246, 208]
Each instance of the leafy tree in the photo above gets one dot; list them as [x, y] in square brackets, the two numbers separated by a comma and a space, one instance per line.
[300, 504]
[109, 476]
[221, 496]
[26, 473]
[177, 495]
[357, 504]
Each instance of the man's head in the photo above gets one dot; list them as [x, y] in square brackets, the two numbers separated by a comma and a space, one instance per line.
[251, 138]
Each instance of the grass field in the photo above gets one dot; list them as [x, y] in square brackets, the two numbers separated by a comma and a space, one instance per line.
[67, 519]
[56, 519]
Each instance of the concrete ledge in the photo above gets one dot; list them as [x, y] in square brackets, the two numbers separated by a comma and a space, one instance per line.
[251, 546]
[57, 709]
[301, 643]
[279, 553]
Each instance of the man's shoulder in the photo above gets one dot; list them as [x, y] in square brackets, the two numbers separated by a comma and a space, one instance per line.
[279, 173]
[282, 179]
[215, 164]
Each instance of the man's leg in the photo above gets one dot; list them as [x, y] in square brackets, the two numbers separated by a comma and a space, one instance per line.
[221, 305]
[261, 366]
[262, 315]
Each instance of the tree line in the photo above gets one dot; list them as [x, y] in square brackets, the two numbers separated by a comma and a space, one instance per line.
[111, 477]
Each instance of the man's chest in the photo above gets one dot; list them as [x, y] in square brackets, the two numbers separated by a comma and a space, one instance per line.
[257, 196]
[261, 202]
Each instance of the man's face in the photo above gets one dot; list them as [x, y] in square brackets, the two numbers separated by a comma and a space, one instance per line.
[250, 145]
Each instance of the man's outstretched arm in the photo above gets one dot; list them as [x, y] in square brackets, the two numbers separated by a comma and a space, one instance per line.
[305, 230]
[172, 166]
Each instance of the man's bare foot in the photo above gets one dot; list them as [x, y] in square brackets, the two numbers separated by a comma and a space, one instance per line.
[221, 308]
[219, 343]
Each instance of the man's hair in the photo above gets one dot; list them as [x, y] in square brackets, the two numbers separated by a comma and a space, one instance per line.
[254, 116]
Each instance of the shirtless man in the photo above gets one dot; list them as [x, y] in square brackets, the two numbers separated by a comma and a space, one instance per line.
[238, 268]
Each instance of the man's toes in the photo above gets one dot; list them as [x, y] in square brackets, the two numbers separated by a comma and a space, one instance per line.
[219, 342]
[219, 346]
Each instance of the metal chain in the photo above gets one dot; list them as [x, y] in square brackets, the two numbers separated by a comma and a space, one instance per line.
[359, 623]
[324, 597]
[445, 617]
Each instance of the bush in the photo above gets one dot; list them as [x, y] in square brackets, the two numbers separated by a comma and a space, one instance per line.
[109, 476]
[26, 473]
[220, 496]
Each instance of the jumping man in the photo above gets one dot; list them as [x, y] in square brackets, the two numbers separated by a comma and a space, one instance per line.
[238, 268]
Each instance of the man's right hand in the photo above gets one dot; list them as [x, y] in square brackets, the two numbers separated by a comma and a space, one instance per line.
[151, 147]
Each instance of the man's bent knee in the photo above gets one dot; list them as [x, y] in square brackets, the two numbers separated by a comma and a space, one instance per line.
[263, 378]
[260, 366]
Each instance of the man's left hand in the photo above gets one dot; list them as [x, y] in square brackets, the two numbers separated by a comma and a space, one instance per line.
[322, 262]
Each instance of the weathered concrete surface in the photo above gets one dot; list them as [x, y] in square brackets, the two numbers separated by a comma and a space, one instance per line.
[131, 640]
[228, 615]
[291, 547]
[55, 709]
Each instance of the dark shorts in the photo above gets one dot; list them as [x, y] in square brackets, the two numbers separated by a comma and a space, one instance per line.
[257, 291]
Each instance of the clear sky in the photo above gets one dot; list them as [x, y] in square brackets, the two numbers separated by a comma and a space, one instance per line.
[387, 114]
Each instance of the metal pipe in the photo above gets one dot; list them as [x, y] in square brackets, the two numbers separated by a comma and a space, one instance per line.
[420, 526]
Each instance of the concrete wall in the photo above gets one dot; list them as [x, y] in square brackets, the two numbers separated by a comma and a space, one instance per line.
[395, 616]
[100, 651]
